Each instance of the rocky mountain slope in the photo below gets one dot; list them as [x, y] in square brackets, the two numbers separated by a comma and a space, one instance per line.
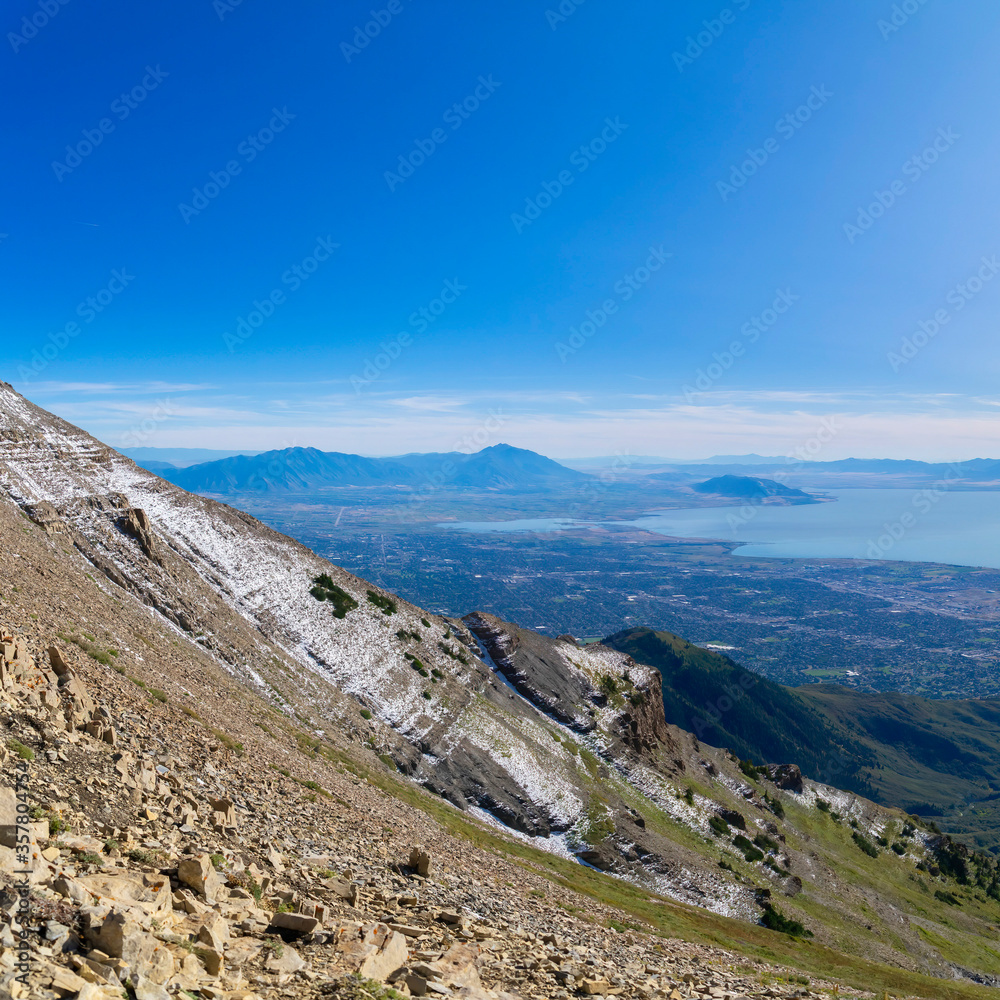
[159, 858]
[207, 636]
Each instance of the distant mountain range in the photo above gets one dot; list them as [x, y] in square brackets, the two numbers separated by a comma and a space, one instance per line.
[301, 469]
[503, 466]
[979, 469]
[750, 459]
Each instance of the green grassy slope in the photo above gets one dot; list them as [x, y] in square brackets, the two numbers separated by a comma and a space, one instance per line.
[938, 759]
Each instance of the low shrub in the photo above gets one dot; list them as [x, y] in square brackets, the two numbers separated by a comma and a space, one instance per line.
[776, 921]
[386, 604]
[228, 742]
[719, 826]
[765, 843]
[746, 847]
[865, 845]
[325, 589]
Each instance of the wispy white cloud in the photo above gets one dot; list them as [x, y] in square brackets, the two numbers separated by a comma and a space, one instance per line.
[136, 388]
[105, 409]
[432, 404]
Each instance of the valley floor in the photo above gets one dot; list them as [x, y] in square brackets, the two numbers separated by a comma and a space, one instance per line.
[920, 628]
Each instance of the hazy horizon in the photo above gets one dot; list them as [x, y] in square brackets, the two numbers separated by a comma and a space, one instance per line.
[625, 230]
[705, 460]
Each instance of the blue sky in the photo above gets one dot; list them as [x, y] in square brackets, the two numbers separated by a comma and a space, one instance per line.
[636, 229]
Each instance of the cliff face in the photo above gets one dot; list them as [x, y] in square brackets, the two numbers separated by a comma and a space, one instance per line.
[584, 688]
[266, 645]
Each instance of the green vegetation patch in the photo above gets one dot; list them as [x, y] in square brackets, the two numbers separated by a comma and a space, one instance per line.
[776, 921]
[599, 825]
[228, 742]
[865, 844]
[747, 848]
[448, 651]
[386, 604]
[719, 826]
[24, 752]
[325, 589]
[87, 644]
[765, 843]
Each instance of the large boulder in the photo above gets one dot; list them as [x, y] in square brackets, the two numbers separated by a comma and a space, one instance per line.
[458, 967]
[787, 776]
[149, 894]
[372, 950]
[120, 935]
[199, 873]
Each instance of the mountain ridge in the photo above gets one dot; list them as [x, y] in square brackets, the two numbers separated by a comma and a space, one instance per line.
[293, 469]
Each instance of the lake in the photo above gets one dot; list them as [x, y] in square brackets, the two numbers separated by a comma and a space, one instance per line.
[925, 525]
